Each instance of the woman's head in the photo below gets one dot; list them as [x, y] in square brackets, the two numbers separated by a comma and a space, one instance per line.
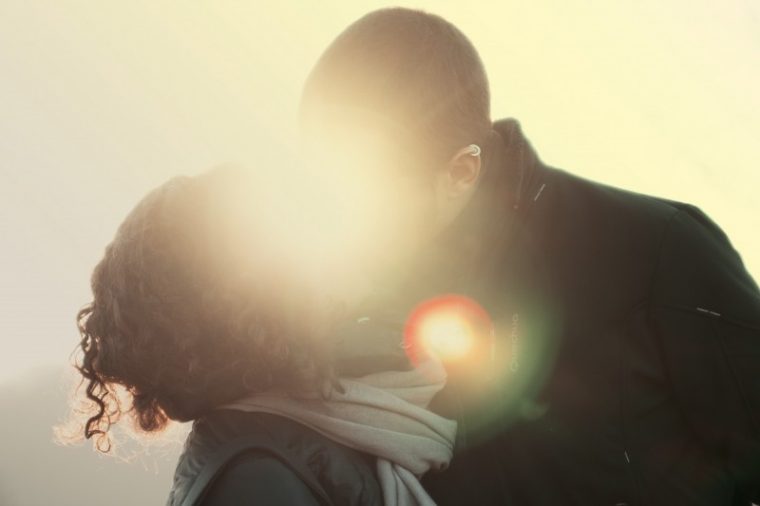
[194, 305]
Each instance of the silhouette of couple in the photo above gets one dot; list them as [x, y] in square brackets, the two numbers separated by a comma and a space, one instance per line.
[421, 311]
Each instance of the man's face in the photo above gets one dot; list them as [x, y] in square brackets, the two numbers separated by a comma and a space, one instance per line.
[375, 205]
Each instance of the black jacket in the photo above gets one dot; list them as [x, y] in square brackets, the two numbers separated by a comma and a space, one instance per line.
[235, 458]
[628, 342]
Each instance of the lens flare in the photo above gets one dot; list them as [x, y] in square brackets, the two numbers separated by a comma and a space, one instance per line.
[447, 335]
[452, 327]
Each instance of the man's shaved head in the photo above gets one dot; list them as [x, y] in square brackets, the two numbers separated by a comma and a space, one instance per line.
[416, 77]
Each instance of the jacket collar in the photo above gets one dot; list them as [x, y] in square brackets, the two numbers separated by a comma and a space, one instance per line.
[509, 166]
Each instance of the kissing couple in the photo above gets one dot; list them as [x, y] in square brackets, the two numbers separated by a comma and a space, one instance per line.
[421, 311]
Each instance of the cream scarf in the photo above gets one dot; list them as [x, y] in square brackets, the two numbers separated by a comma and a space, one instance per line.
[383, 414]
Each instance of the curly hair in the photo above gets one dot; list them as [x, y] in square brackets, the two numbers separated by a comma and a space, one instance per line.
[192, 308]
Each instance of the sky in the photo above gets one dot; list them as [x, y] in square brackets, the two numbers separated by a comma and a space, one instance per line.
[101, 101]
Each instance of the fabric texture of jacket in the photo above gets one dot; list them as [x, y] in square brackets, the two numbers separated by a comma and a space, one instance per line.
[287, 464]
[627, 342]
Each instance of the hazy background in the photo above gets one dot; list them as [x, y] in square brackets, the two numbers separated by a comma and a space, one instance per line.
[100, 101]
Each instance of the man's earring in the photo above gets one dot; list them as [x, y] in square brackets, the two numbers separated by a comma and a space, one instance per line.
[474, 150]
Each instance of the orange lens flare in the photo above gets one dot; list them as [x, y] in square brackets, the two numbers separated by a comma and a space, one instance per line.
[452, 327]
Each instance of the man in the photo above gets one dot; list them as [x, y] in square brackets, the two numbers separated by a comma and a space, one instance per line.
[624, 364]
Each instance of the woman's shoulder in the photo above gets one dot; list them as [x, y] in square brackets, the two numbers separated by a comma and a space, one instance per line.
[257, 477]
[239, 454]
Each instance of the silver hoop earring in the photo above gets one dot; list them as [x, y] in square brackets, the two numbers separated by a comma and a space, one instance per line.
[474, 150]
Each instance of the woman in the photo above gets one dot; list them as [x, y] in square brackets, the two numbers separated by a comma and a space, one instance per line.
[201, 312]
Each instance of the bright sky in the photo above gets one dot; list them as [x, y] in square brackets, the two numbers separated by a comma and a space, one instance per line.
[100, 101]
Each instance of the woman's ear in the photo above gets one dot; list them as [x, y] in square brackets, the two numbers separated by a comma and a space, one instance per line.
[463, 171]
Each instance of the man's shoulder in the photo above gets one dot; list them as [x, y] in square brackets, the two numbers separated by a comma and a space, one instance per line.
[600, 240]
[598, 196]
[600, 218]
[624, 209]
[691, 259]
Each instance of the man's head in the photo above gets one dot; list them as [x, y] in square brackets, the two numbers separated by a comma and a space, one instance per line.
[398, 99]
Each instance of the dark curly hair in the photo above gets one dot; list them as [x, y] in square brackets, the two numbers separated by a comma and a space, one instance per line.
[192, 308]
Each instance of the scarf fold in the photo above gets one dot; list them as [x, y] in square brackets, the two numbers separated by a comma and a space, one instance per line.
[382, 414]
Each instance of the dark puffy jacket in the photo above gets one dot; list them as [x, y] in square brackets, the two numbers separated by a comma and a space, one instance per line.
[628, 332]
[240, 458]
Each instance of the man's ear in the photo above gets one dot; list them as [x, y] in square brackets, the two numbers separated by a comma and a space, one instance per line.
[463, 171]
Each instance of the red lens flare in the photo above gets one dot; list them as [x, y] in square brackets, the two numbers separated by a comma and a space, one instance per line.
[452, 327]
